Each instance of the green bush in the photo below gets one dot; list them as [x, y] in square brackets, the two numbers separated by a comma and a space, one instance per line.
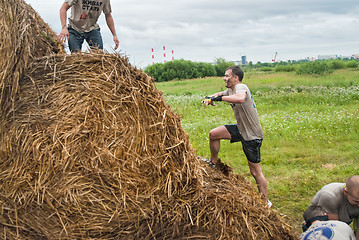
[180, 69]
[156, 71]
[266, 69]
[352, 64]
[284, 68]
[336, 64]
[206, 70]
[221, 66]
[313, 68]
[185, 69]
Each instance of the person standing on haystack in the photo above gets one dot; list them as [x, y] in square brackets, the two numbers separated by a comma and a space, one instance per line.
[83, 23]
[247, 130]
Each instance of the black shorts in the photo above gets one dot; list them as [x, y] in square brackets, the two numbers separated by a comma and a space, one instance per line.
[251, 148]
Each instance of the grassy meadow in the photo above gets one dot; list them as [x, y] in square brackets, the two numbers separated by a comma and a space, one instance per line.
[310, 124]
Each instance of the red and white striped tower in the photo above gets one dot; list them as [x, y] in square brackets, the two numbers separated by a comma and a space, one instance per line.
[173, 55]
[164, 54]
[153, 57]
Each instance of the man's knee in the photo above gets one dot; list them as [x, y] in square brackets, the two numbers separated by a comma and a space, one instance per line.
[255, 170]
[212, 134]
[219, 133]
[94, 39]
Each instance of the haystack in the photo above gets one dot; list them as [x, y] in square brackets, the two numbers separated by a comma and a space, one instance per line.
[24, 37]
[89, 149]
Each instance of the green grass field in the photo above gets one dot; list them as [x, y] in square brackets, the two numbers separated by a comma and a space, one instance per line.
[310, 124]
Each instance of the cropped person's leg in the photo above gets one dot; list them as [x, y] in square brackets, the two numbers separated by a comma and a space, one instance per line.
[94, 39]
[76, 40]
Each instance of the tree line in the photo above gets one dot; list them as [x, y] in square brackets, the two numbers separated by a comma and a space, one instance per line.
[186, 69]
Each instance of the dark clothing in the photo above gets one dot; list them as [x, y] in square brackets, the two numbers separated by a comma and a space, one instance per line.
[251, 148]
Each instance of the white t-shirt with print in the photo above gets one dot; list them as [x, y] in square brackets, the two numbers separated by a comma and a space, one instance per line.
[328, 230]
[85, 13]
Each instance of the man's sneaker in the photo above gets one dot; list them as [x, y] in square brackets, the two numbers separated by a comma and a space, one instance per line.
[269, 203]
[210, 163]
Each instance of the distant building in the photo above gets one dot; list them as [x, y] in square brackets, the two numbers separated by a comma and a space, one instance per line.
[244, 60]
[326, 57]
[304, 60]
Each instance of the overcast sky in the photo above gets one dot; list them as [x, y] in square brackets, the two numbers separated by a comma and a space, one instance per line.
[203, 31]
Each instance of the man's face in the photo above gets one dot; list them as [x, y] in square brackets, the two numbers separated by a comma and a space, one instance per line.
[229, 79]
[353, 197]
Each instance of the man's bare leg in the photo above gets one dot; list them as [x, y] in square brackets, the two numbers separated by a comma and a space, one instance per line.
[215, 136]
[256, 172]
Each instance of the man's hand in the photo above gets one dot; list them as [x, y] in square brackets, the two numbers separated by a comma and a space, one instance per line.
[209, 101]
[64, 34]
[117, 42]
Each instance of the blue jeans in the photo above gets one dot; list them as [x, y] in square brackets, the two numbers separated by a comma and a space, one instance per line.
[76, 39]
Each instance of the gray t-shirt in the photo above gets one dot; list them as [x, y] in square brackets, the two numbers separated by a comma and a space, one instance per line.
[246, 114]
[331, 199]
[334, 230]
[85, 13]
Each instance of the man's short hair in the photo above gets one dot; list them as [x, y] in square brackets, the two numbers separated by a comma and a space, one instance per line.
[352, 184]
[237, 71]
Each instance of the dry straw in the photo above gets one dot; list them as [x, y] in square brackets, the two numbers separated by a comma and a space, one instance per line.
[90, 150]
[24, 36]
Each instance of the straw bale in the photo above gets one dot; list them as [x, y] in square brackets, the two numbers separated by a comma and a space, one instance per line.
[24, 36]
[91, 150]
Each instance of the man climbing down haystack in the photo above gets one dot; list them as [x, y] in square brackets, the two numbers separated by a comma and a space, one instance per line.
[248, 130]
